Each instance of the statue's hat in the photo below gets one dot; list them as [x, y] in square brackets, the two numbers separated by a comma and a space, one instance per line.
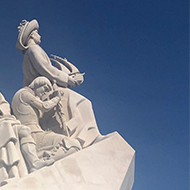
[25, 29]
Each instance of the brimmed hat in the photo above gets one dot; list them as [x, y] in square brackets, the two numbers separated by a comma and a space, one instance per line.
[25, 29]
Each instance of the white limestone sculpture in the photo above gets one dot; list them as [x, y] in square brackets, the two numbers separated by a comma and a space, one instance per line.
[16, 147]
[107, 165]
[78, 110]
[27, 105]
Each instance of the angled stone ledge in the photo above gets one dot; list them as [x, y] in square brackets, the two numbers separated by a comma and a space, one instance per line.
[108, 164]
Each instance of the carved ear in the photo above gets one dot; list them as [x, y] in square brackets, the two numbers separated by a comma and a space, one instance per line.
[31, 36]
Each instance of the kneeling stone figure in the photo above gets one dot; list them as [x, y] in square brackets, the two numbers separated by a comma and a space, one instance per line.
[27, 104]
[16, 147]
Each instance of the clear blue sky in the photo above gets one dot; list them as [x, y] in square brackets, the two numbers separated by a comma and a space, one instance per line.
[135, 56]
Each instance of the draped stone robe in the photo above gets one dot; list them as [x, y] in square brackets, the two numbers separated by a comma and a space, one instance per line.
[12, 163]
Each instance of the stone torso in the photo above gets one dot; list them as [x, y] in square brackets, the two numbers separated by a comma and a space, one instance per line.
[31, 63]
[23, 110]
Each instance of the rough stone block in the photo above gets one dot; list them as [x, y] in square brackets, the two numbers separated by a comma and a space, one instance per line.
[107, 165]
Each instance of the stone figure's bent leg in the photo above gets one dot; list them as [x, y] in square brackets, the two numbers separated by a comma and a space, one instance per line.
[28, 148]
[81, 109]
[55, 146]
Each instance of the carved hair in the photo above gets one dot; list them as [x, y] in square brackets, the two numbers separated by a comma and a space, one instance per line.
[38, 82]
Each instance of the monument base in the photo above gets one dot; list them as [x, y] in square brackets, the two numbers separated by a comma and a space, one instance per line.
[106, 165]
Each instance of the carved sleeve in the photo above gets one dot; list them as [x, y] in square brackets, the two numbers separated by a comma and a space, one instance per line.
[42, 64]
[37, 103]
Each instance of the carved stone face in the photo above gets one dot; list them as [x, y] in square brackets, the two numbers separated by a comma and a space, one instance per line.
[36, 37]
[43, 91]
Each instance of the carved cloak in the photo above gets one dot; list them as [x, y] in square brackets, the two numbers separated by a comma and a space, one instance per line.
[12, 163]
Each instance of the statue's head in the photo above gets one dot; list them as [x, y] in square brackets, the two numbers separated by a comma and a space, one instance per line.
[27, 30]
[35, 37]
[4, 106]
[42, 87]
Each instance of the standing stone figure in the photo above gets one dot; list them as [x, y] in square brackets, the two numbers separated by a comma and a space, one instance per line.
[16, 146]
[78, 110]
[28, 105]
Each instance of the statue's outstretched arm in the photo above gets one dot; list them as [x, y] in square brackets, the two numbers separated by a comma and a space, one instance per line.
[73, 72]
[39, 104]
[42, 64]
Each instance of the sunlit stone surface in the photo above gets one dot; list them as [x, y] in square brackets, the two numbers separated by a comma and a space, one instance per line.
[106, 165]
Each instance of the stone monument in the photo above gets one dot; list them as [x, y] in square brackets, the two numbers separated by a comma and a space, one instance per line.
[51, 140]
